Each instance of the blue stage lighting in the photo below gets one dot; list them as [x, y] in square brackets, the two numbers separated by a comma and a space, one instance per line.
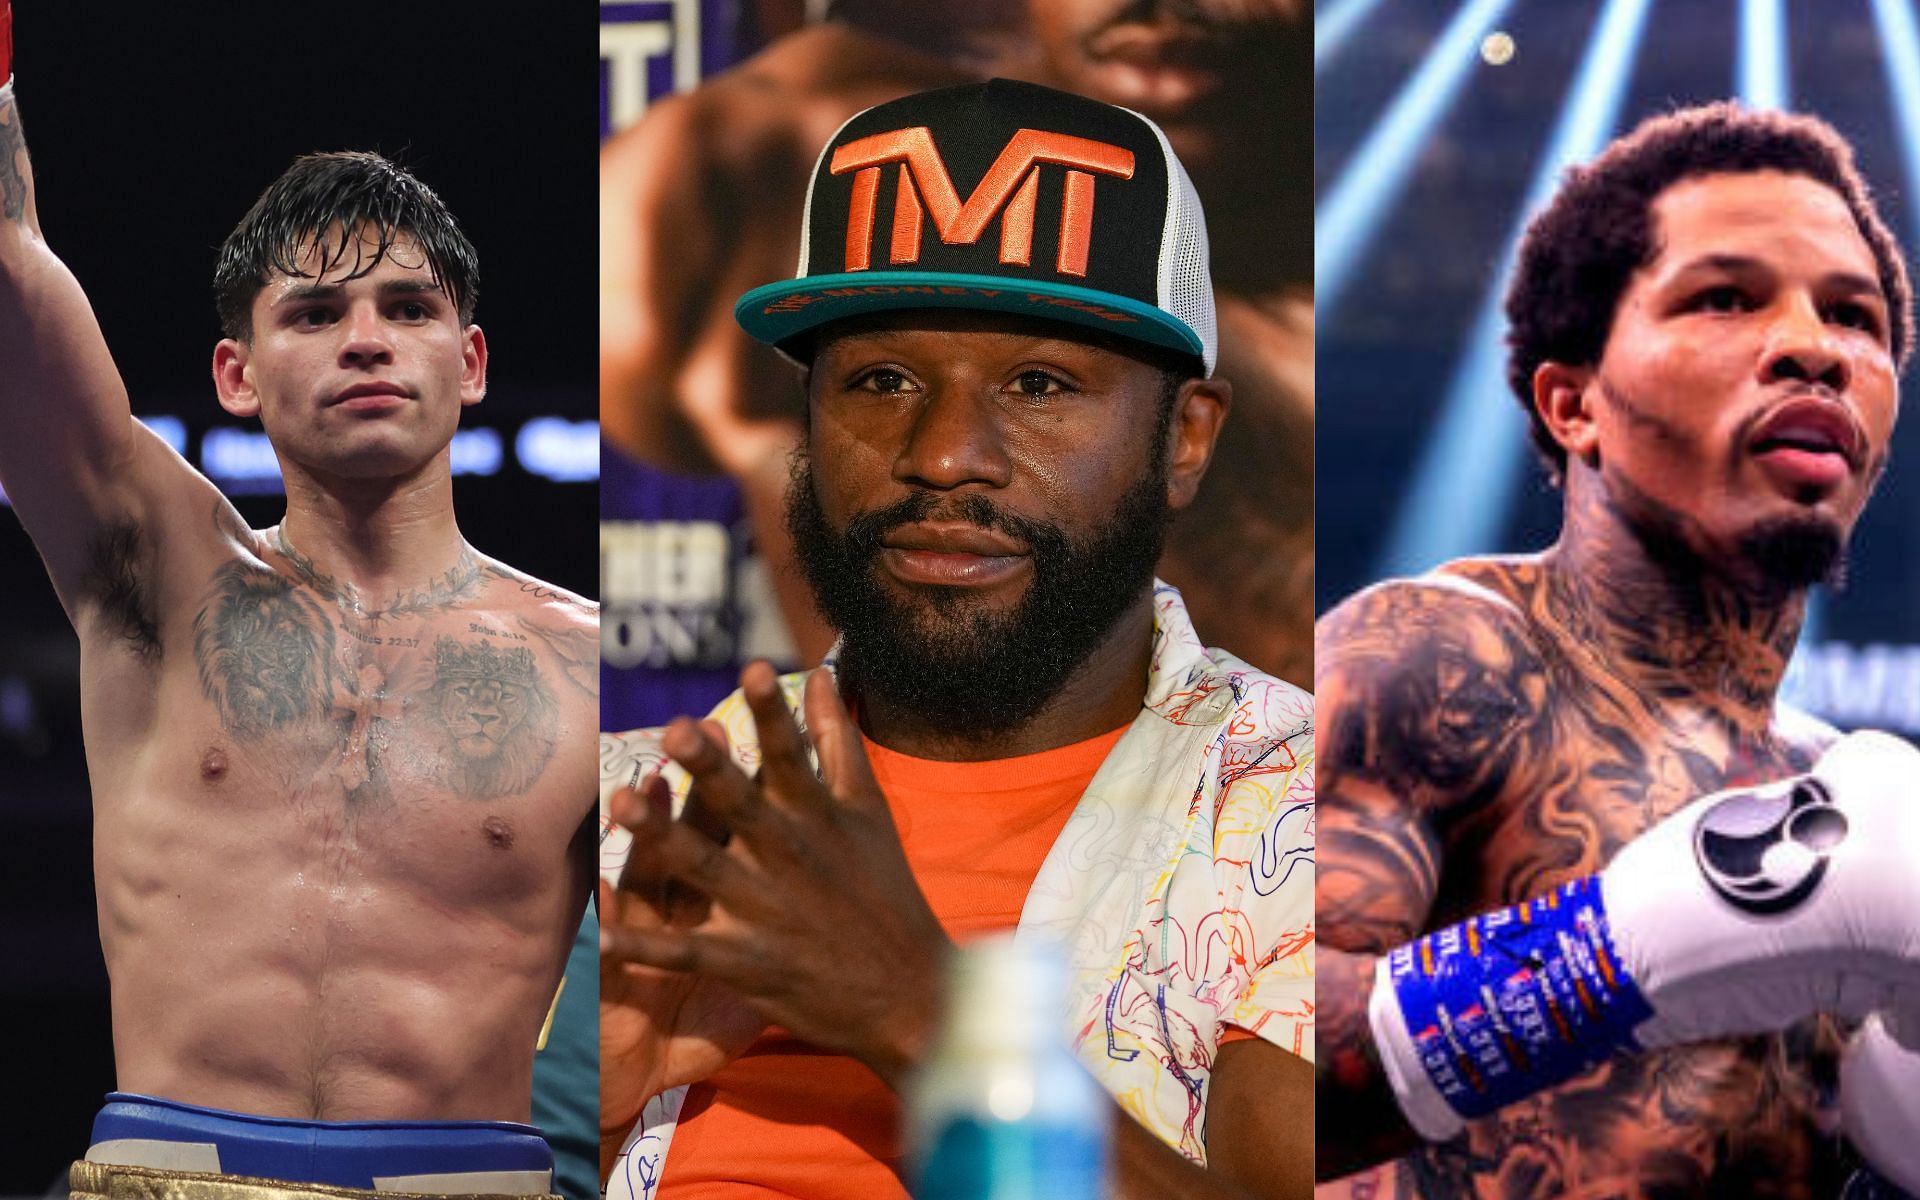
[1763, 54]
[1348, 216]
[1463, 486]
[1334, 24]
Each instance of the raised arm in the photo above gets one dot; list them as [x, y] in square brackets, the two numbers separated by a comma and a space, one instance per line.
[68, 443]
[1426, 697]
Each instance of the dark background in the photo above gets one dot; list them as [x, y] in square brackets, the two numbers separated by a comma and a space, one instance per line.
[1387, 350]
[152, 128]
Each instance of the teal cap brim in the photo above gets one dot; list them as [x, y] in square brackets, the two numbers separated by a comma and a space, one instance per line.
[779, 312]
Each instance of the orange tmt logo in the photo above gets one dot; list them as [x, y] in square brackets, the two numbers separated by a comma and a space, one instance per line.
[1010, 187]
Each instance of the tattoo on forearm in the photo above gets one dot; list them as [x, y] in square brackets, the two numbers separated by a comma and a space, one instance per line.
[1490, 736]
[493, 717]
[265, 651]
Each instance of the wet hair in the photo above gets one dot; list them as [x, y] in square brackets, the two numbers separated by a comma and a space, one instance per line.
[1580, 252]
[328, 202]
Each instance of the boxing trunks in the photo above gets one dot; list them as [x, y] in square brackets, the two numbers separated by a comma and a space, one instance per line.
[149, 1149]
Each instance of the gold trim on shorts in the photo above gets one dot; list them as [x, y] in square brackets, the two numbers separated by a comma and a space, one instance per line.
[106, 1181]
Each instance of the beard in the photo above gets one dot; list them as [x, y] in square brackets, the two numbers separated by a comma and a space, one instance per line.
[1794, 553]
[1774, 556]
[942, 654]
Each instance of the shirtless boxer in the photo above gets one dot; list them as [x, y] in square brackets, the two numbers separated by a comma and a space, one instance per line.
[340, 766]
[1705, 326]
[715, 174]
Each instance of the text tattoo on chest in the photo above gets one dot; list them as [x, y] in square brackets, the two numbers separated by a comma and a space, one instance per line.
[269, 661]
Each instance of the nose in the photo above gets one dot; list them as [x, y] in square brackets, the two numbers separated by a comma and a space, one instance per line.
[1801, 348]
[953, 439]
[365, 341]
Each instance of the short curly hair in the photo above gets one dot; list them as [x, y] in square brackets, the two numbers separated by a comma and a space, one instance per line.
[1580, 252]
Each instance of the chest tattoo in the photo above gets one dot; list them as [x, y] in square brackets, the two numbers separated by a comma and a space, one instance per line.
[359, 701]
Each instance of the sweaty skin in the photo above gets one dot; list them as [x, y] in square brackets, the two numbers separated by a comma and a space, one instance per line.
[698, 204]
[341, 768]
[1491, 746]
[1503, 726]
[364, 824]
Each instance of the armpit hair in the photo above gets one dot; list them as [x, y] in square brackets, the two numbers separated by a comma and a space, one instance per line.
[114, 581]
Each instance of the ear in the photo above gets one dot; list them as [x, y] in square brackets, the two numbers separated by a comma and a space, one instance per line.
[1198, 412]
[1562, 396]
[232, 381]
[473, 365]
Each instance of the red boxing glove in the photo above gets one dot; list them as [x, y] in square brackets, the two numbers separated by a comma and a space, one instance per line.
[6, 42]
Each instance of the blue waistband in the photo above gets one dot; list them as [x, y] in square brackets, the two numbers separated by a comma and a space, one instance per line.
[341, 1153]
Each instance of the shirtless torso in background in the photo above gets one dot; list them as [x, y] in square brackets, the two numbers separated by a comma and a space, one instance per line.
[715, 175]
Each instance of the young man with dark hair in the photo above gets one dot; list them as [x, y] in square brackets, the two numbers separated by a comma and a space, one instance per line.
[1581, 253]
[340, 766]
[1552, 969]
[1007, 400]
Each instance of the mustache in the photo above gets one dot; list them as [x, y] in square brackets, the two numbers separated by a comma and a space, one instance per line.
[1217, 17]
[864, 531]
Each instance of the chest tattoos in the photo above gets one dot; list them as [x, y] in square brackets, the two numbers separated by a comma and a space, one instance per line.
[1494, 739]
[492, 717]
[319, 690]
[265, 650]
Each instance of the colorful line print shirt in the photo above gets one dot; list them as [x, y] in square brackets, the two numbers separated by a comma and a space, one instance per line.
[1181, 889]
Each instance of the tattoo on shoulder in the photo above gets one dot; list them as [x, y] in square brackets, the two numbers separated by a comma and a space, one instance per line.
[114, 579]
[530, 586]
[576, 650]
[13, 148]
[265, 651]
[1434, 696]
[492, 716]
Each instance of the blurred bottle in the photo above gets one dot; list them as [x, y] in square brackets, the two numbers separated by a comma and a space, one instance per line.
[1001, 1110]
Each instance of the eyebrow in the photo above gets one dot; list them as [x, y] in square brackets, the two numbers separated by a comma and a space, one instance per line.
[1852, 281]
[305, 292]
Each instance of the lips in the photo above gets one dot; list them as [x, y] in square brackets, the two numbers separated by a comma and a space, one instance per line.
[950, 555]
[371, 394]
[951, 539]
[1158, 65]
[1811, 425]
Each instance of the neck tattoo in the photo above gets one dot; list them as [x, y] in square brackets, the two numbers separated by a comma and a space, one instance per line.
[441, 592]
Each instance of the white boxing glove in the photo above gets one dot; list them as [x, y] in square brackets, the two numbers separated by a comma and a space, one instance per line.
[1880, 1098]
[1744, 912]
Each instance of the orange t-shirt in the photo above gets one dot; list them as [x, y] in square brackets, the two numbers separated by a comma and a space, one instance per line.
[786, 1119]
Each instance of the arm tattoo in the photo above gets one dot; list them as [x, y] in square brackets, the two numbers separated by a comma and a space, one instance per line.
[1516, 745]
[13, 152]
[492, 716]
[1428, 699]
[265, 652]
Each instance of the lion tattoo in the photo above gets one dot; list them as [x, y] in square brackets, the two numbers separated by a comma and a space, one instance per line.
[493, 716]
[265, 652]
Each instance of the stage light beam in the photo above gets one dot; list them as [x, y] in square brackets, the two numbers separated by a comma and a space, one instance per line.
[1348, 217]
[1463, 485]
[1762, 69]
[1335, 25]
